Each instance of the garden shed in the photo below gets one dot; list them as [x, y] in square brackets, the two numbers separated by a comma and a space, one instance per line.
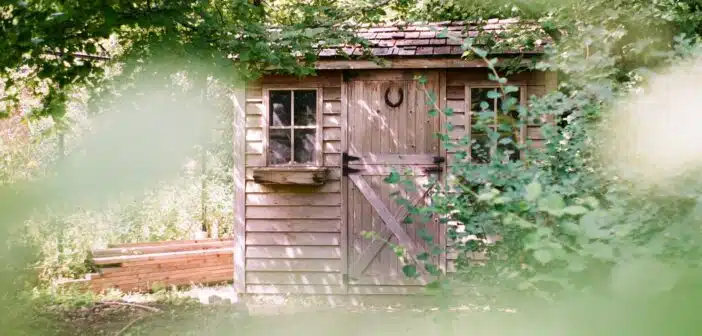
[312, 154]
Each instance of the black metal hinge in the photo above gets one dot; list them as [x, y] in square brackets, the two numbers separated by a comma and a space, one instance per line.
[345, 159]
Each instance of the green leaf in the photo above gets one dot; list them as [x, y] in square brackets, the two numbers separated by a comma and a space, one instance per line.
[423, 256]
[421, 79]
[488, 195]
[410, 271]
[594, 225]
[399, 250]
[493, 94]
[480, 52]
[511, 88]
[543, 256]
[436, 284]
[393, 178]
[425, 235]
[575, 210]
[553, 204]
[448, 111]
[533, 191]
[432, 269]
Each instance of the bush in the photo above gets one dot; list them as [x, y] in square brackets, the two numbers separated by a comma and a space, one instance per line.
[566, 221]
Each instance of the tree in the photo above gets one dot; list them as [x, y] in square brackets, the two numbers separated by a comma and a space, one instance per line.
[66, 43]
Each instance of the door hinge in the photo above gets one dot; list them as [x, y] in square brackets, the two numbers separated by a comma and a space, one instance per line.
[346, 158]
[345, 169]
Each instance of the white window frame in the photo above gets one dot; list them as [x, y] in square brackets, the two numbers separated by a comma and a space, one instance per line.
[318, 155]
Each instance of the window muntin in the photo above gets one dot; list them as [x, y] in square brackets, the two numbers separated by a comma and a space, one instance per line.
[292, 127]
[487, 112]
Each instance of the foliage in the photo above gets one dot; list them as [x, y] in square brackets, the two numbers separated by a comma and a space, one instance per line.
[561, 221]
[48, 38]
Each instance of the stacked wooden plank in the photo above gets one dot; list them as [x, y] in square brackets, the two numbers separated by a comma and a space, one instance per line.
[142, 267]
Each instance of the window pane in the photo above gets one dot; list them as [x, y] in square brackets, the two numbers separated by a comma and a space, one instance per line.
[280, 108]
[304, 146]
[478, 95]
[513, 112]
[510, 147]
[305, 107]
[279, 147]
[480, 148]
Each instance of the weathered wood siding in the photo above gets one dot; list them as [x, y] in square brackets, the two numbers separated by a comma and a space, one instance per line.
[293, 232]
[297, 238]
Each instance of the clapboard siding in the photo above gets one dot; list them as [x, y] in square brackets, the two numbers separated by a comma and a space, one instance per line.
[296, 252]
[329, 187]
[293, 212]
[293, 229]
[331, 107]
[292, 238]
[254, 147]
[293, 265]
[278, 199]
[279, 278]
[294, 234]
[296, 289]
[293, 225]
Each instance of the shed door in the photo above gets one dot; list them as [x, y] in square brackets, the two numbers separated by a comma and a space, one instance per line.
[383, 137]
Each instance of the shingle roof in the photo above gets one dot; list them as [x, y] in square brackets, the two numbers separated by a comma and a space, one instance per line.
[427, 39]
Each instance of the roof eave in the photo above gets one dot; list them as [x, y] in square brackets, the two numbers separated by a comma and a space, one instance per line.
[418, 62]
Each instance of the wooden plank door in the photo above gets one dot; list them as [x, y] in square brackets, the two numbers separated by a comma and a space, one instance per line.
[384, 138]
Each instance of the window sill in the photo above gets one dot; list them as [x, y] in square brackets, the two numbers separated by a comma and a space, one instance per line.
[291, 175]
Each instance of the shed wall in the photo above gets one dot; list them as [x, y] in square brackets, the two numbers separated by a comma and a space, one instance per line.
[293, 233]
[294, 236]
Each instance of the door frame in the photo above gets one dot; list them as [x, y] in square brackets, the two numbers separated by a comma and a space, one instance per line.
[382, 74]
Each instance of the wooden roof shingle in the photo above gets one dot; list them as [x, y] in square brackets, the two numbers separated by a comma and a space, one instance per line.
[427, 39]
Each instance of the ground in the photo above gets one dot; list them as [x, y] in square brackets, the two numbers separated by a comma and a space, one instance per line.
[202, 313]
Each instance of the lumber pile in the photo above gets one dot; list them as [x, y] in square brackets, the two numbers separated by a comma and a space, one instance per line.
[143, 266]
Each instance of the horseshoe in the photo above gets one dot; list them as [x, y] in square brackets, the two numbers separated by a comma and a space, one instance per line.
[399, 101]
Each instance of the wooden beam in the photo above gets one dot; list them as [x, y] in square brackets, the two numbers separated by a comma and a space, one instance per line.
[382, 210]
[239, 177]
[291, 175]
[344, 237]
[407, 63]
[356, 270]
[160, 256]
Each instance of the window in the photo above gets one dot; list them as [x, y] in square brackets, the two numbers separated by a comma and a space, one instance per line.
[292, 127]
[487, 114]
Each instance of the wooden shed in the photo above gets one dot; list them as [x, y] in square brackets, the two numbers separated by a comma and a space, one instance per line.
[315, 150]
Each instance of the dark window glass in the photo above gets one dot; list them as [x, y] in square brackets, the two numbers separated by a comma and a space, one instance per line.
[478, 95]
[513, 109]
[305, 108]
[480, 148]
[280, 108]
[279, 150]
[510, 148]
[304, 146]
